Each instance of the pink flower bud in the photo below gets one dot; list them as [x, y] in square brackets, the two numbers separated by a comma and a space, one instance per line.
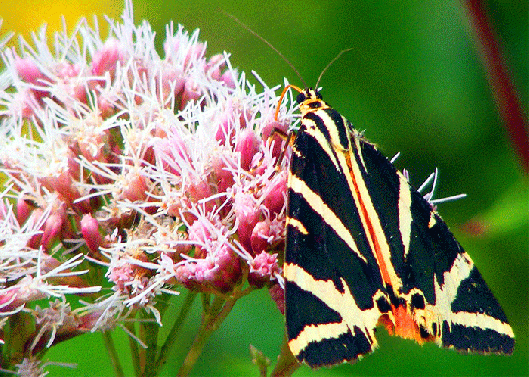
[248, 146]
[222, 176]
[107, 104]
[173, 82]
[90, 231]
[194, 275]
[64, 185]
[199, 233]
[275, 197]
[106, 59]
[215, 273]
[272, 134]
[129, 278]
[136, 188]
[173, 152]
[53, 228]
[191, 92]
[229, 270]
[263, 268]
[34, 218]
[229, 79]
[225, 130]
[259, 238]
[183, 274]
[199, 190]
[28, 70]
[20, 294]
[24, 209]
[216, 61]
[214, 66]
[247, 213]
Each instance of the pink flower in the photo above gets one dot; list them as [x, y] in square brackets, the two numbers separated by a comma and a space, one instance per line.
[53, 227]
[263, 269]
[214, 273]
[107, 58]
[91, 235]
[191, 92]
[248, 146]
[28, 71]
[260, 235]
[247, 214]
[273, 132]
[161, 165]
[274, 198]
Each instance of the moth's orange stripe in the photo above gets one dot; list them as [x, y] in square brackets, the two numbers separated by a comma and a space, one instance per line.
[370, 232]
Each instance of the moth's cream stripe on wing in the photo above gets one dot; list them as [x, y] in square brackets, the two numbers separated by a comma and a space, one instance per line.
[355, 135]
[296, 224]
[405, 218]
[343, 303]
[481, 321]
[327, 215]
[317, 333]
[330, 125]
[447, 293]
[312, 130]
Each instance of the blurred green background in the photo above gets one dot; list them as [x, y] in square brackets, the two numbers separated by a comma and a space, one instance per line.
[415, 83]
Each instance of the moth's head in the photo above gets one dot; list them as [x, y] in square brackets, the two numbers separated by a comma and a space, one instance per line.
[310, 100]
[308, 94]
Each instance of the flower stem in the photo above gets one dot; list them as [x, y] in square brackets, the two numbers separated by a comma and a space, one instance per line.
[134, 349]
[287, 364]
[150, 335]
[173, 334]
[109, 344]
[211, 321]
[507, 98]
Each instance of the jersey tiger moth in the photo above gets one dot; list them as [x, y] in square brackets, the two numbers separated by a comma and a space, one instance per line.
[364, 248]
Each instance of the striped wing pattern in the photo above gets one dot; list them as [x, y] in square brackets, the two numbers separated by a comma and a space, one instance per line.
[364, 248]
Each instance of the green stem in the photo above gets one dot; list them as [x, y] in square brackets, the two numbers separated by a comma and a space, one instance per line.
[217, 312]
[134, 349]
[287, 364]
[173, 334]
[150, 332]
[109, 344]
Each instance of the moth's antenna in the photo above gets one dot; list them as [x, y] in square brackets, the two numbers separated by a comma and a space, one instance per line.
[269, 45]
[331, 63]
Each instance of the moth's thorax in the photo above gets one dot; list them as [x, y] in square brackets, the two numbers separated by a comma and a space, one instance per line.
[310, 101]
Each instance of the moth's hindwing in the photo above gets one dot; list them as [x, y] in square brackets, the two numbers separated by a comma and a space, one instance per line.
[364, 248]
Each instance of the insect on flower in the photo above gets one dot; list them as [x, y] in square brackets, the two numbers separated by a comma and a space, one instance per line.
[364, 248]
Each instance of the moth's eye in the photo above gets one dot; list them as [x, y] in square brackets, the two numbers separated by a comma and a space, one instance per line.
[301, 97]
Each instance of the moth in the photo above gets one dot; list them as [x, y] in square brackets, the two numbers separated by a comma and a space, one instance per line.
[364, 248]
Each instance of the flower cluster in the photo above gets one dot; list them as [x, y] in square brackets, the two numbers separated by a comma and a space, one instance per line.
[148, 171]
